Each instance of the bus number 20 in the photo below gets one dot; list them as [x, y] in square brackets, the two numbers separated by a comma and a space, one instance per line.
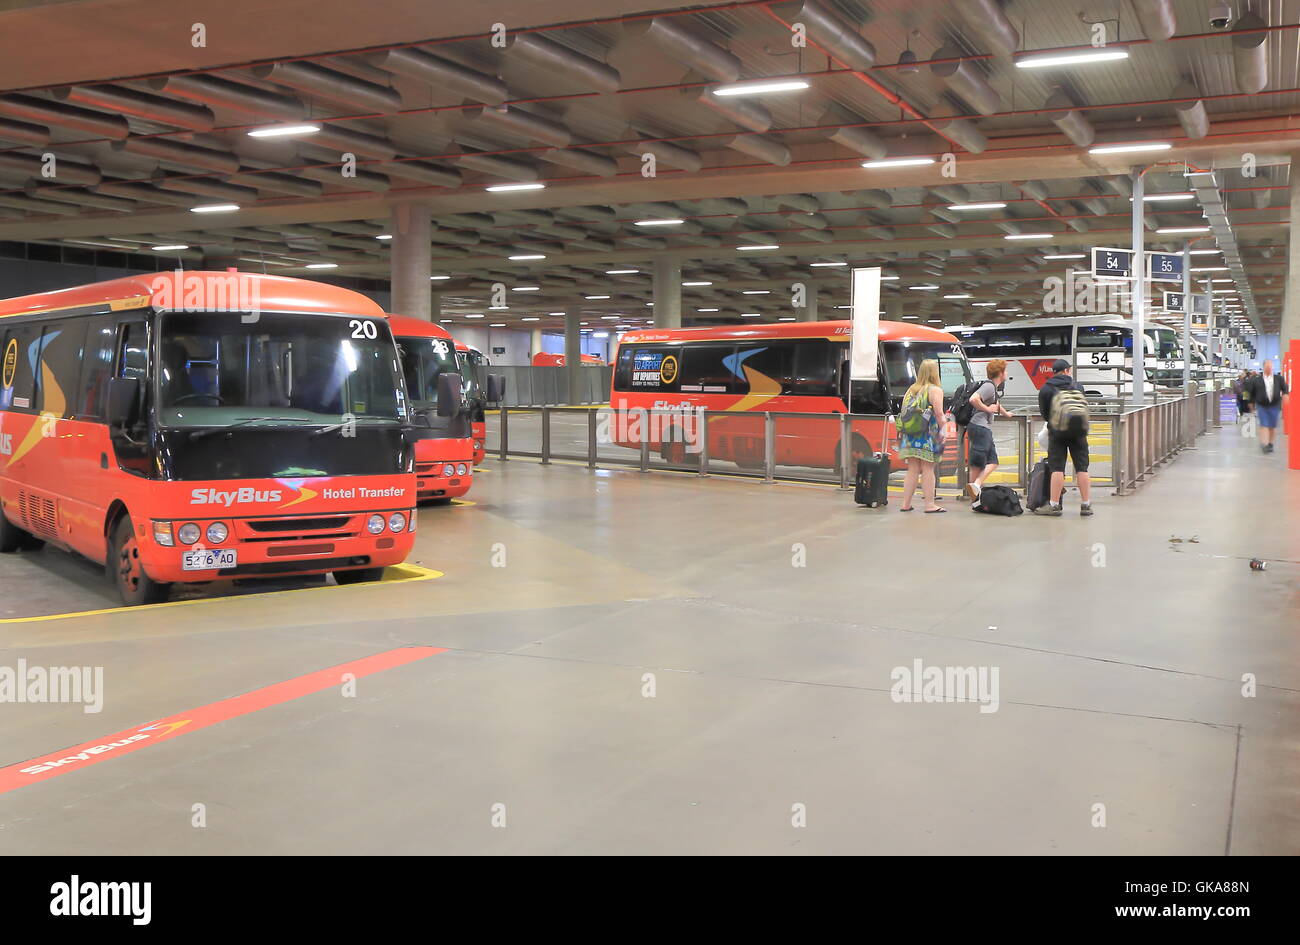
[362, 329]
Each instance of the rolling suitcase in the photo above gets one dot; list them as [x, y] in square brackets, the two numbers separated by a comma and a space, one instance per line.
[871, 487]
[1040, 481]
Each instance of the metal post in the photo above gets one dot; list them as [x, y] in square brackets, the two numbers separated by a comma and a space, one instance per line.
[505, 432]
[769, 447]
[1138, 296]
[591, 438]
[546, 435]
[1022, 449]
[963, 470]
[846, 451]
[704, 441]
[645, 452]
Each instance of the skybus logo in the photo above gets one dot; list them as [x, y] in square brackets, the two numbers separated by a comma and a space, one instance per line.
[181, 291]
[664, 423]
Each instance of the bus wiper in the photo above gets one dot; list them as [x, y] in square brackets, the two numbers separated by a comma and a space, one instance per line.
[208, 431]
[333, 427]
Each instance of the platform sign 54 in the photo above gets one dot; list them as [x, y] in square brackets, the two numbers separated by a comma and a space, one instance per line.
[1112, 263]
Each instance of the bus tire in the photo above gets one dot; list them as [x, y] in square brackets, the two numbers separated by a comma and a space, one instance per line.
[126, 570]
[12, 538]
[358, 575]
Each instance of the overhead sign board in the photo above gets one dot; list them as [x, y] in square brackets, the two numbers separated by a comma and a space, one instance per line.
[1174, 302]
[1177, 302]
[864, 343]
[1200, 304]
[1165, 267]
[1112, 263]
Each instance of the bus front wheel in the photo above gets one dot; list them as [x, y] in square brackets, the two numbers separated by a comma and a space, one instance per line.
[12, 538]
[358, 575]
[127, 570]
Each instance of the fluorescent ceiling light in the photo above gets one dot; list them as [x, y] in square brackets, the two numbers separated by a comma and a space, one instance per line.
[473, 316]
[1183, 229]
[786, 318]
[322, 265]
[1157, 198]
[384, 236]
[497, 325]
[706, 310]
[600, 334]
[889, 278]
[818, 265]
[1190, 173]
[1008, 309]
[526, 288]
[530, 318]
[524, 256]
[594, 297]
[976, 206]
[1208, 269]
[1066, 256]
[755, 292]
[899, 162]
[170, 247]
[922, 288]
[751, 314]
[697, 283]
[444, 320]
[759, 88]
[959, 295]
[508, 188]
[611, 318]
[554, 313]
[658, 222]
[983, 304]
[1069, 57]
[439, 278]
[1220, 280]
[621, 272]
[759, 246]
[1203, 252]
[280, 131]
[215, 208]
[1129, 148]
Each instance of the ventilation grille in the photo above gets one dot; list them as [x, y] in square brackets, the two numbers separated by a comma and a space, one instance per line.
[38, 514]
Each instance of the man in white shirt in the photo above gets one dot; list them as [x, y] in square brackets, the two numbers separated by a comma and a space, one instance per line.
[1269, 393]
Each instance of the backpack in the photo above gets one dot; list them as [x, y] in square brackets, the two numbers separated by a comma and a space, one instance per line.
[1069, 414]
[912, 420]
[963, 411]
[999, 500]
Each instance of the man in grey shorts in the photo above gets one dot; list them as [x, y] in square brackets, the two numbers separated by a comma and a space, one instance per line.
[979, 432]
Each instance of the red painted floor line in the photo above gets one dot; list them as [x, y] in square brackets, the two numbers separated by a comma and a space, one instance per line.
[132, 739]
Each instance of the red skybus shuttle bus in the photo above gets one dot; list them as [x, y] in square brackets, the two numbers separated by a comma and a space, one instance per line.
[444, 450]
[474, 380]
[545, 359]
[796, 367]
[189, 427]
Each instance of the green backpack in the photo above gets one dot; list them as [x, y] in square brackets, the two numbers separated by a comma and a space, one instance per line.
[912, 420]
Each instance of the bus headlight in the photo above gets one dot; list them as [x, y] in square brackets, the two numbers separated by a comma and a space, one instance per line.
[217, 533]
[375, 524]
[162, 533]
[188, 533]
[449, 470]
[411, 527]
[461, 469]
[397, 521]
[478, 444]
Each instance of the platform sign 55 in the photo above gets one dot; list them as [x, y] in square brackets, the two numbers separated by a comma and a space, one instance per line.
[1165, 267]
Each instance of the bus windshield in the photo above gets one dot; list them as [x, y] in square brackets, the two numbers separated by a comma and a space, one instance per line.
[903, 357]
[1164, 341]
[217, 370]
[424, 360]
[472, 364]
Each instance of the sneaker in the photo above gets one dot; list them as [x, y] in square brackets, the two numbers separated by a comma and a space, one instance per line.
[1269, 448]
[973, 491]
[1053, 509]
[1263, 447]
[1085, 508]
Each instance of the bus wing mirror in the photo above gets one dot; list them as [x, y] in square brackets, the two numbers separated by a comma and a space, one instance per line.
[496, 388]
[448, 394]
[123, 399]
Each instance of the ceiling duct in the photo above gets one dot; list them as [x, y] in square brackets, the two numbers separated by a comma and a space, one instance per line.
[279, 183]
[65, 172]
[687, 48]
[1065, 116]
[759, 146]
[65, 116]
[419, 171]
[581, 160]
[39, 206]
[961, 131]
[330, 85]
[945, 215]
[1250, 54]
[818, 236]
[363, 180]
[946, 230]
[953, 193]
[24, 133]
[599, 246]
[987, 21]
[804, 202]
[223, 93]
[135, 190]
[1034, 188]
[205, 188]
[671, 154]
[815, 220]
[502, 167]
[531, 217]
[881, 232]
[82, 198]
[563, 231]
[880, 199]
[963, 77]
[1263, 197]
[1079, 226]
[587, 214]
[543, 51]
[1156, 17]
[355, 142]
[184, 155]
[467, 220]
[1096, 206]
[749, 115]
[865, 142]
[1191, 114]
[525, 124]
[140, 105]
[442, 74]
[833, 33]
[1121, 185]
[457, 237]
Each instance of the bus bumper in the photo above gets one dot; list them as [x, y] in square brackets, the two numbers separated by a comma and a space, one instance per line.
[431, 482]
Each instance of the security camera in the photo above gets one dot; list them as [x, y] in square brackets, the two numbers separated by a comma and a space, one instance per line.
[1220, 16]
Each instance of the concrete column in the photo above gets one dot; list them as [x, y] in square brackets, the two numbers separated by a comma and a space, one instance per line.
[410, 261]
[1138, 296]
[668, 293]
[435, 305]
[809, 311]
[1187, 319]
[573, 356]
[535, 342]
[1290, 328]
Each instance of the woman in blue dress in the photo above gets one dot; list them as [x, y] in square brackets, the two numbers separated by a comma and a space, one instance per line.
[922, 450]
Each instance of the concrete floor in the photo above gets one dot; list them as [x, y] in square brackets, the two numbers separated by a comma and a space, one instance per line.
[1119, 685]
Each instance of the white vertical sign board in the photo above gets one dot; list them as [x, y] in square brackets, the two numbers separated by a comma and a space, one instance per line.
[864, 343]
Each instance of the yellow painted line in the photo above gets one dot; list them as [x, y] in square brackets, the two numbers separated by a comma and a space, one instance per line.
[463, 502]
[393, 573]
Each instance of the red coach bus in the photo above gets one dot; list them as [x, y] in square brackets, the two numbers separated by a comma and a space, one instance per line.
[189, 427]
[796, 367]
[543, 359]
[474, 380]
[444, 450]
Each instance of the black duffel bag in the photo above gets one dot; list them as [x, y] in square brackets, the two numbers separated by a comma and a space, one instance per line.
[999, 500]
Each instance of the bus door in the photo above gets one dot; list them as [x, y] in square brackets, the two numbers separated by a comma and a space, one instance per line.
[131, 360]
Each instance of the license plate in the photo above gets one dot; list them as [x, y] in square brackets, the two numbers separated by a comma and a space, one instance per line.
[208, 560]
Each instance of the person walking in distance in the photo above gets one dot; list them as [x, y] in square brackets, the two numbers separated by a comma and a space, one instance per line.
[1063, 405]
[920, 429]
[1268, 391]
[983, 451]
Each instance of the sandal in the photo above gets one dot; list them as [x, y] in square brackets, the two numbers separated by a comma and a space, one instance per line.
[933, 511]
[904, 509]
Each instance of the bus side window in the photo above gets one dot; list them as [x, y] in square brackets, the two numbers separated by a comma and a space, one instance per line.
[60, 358]
[96, 367]
[20, 346]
